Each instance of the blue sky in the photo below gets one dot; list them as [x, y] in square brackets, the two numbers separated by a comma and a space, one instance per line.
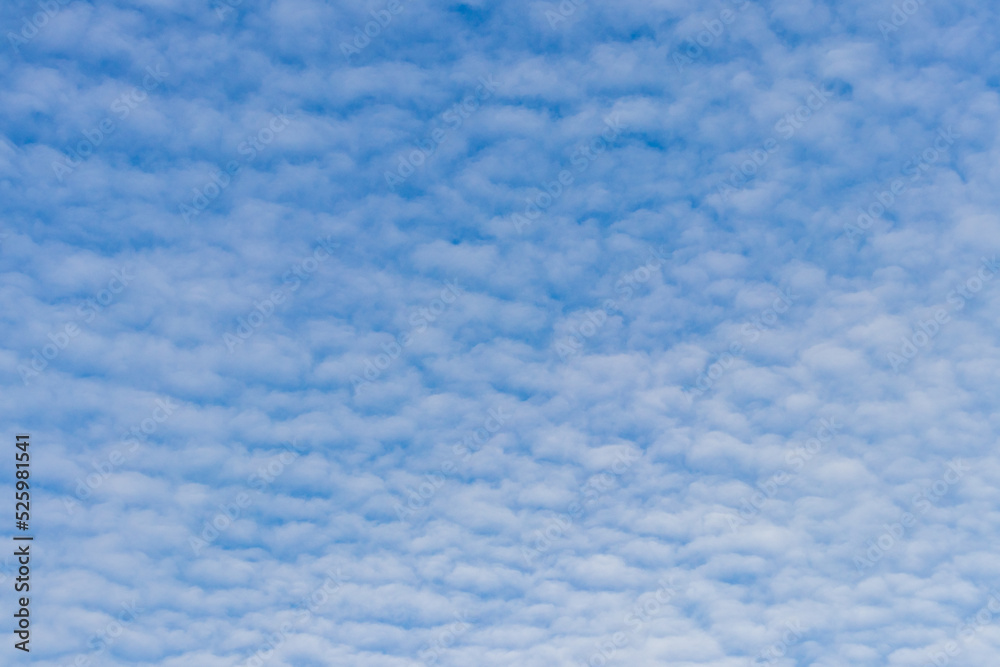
[414, 333]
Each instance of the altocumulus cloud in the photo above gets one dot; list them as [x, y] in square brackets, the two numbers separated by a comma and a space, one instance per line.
[752, 219]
